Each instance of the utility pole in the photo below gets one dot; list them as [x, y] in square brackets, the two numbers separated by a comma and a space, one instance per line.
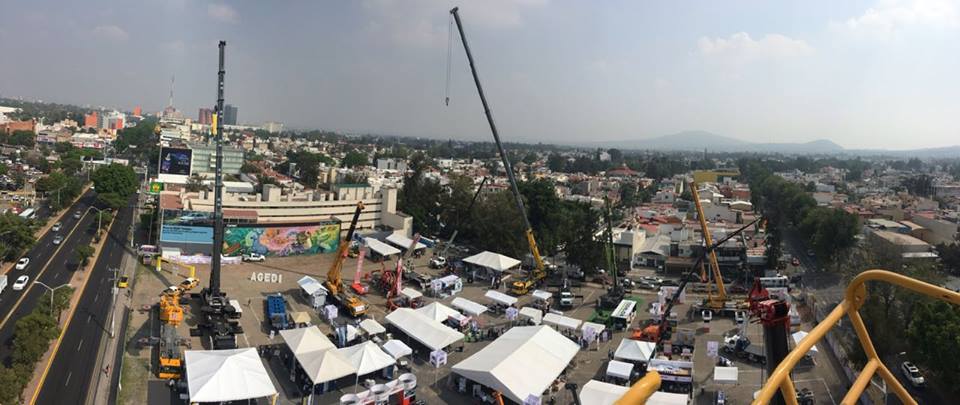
[52, 290]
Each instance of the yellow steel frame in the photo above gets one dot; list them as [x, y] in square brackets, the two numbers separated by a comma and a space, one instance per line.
[855, 296]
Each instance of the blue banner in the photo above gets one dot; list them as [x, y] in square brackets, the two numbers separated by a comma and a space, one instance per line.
[186, 234]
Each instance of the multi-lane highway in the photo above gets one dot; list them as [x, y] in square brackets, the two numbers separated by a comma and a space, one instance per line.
[51, 264]
[72, 368]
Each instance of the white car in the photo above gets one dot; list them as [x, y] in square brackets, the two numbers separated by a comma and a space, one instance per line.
[910, 371]
[56, 227]
[21, 282]
[22, 263]
[438, 262]
[253, 257]
[57, 239]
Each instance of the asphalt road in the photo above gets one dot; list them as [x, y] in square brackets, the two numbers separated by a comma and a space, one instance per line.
[49, 263]
[72, 369]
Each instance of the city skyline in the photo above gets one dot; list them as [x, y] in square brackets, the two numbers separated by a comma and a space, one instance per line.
[864, 74]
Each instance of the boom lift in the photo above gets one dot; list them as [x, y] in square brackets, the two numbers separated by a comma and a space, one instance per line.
[715, 302]
[334, 283]
[391, 281]
[520, 287]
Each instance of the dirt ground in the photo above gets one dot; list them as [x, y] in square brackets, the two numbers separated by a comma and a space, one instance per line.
[140, 385]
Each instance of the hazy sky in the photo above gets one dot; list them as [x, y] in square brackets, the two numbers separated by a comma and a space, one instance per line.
[862, 73]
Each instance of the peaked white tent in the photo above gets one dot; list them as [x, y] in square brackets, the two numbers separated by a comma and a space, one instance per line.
[381, 248]
[619, 369]
[311, 286]
[534, 314]
[428, 331]
[600, 393]
[410, 293]
[492, 261]
[468, 306]
[324, 365]
[505, 364]
[226, 375]
[798, 337]
[561, 321]
[542, 295]
[397, 349]
[500, 297]
[404, 242]
[366, 357]
[307, 339]
[634, 350]
[726, 375]
[438, 312]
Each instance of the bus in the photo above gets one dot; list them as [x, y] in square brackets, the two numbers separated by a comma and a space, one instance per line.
[28, 213]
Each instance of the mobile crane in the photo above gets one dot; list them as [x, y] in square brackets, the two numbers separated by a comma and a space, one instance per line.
[334, 283]
[392, 281]
[715, 302]
[168, 348]
[538, 273]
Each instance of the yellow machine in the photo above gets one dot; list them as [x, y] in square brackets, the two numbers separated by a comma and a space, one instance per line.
[334, 283]
[521, 287]
[854, 298]
[160, 261]
[715, 301]
[171, 315]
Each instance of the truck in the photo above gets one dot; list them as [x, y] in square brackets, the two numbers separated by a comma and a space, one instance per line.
[740, 346]
[277, 311]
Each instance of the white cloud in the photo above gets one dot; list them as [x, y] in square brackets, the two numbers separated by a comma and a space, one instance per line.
[741, 48]
[891, 16]
[223, 13]
[111, 32]
[423, 23]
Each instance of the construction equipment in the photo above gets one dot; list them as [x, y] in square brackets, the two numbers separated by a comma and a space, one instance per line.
[523, 286]
[334, 282]
[392, 281]
[218, 322]
[716, 302]
[168, 349]
[160, 260]
[615, 292]
[441, 260]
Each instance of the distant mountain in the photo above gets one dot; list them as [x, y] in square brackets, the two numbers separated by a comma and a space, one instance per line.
[699, 140]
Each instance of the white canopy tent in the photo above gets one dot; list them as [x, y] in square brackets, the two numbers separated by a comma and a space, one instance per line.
[372, 327]
[226, 375]
[619, 369]
[600, 393]
[542, 295]
[533, 314]
[561, 321]
[381, 248]
[668, 398]
[423, 329]
[366, 357]
[307, 339]
[470, 307]
[726, 375]
[492, 261]
[404, 242]
[438, 312]
[597, 327]
[324, 365]
[397, 349]
[634, 350]
[410, 293]
[311, 286]
[505, 364]
[798, 337]
[500, 297]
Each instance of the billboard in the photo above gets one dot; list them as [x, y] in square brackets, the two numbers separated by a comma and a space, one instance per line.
[282, 240]
[187, 218]
[175, 161]
[186, 234]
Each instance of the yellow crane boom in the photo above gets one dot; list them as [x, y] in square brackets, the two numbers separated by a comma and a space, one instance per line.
[708, 241]
[334, 281]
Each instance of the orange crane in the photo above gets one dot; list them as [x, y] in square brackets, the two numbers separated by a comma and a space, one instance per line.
[719, 300]
[334, 283]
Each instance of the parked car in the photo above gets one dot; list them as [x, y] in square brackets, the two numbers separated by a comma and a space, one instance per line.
[189, 283]
[21, 282]
[669, 283]
[647, 285]
[22, 263]
[123, 282]
[652, 280]
[438, 262]
[253, 257]
[910, 371]
[57, 226]
[57, 239]
[77, 214]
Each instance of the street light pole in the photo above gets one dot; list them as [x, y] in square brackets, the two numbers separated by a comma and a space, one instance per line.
[52, 290]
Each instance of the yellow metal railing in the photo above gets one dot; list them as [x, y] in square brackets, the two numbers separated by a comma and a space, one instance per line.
[854, 298]
[780, 379]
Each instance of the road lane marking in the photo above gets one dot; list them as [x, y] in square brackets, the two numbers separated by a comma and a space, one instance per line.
[89, 317]
[65, 383]
[95, 297]
[80, 345]
[40, 273]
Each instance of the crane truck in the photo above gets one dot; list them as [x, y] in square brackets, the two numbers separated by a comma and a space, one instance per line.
[538, 273]
[716, 302]
[334, 283]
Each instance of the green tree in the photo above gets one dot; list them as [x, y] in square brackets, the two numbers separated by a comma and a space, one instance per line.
[32, 335]
[115, 178]
[934, 338]
[556, 163]
[16, 236]
[355, 158]
[83, 254]
[829, 231]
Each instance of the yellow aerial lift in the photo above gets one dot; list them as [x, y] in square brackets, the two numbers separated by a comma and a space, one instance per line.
[171, 315]
[716, 302]
[334, 283]
[538, 273]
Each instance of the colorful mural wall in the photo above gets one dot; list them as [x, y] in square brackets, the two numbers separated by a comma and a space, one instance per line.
[282, 241]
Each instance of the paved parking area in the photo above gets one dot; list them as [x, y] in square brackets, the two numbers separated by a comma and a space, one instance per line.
[434, 385]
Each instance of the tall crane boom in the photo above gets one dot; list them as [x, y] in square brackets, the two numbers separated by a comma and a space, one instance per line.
[714, 265]
[334, 281]
[538, 272]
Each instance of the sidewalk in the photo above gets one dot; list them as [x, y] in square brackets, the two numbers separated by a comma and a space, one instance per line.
[107, 361]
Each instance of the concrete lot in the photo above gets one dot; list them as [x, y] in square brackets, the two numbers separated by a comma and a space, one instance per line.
[433, 384]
